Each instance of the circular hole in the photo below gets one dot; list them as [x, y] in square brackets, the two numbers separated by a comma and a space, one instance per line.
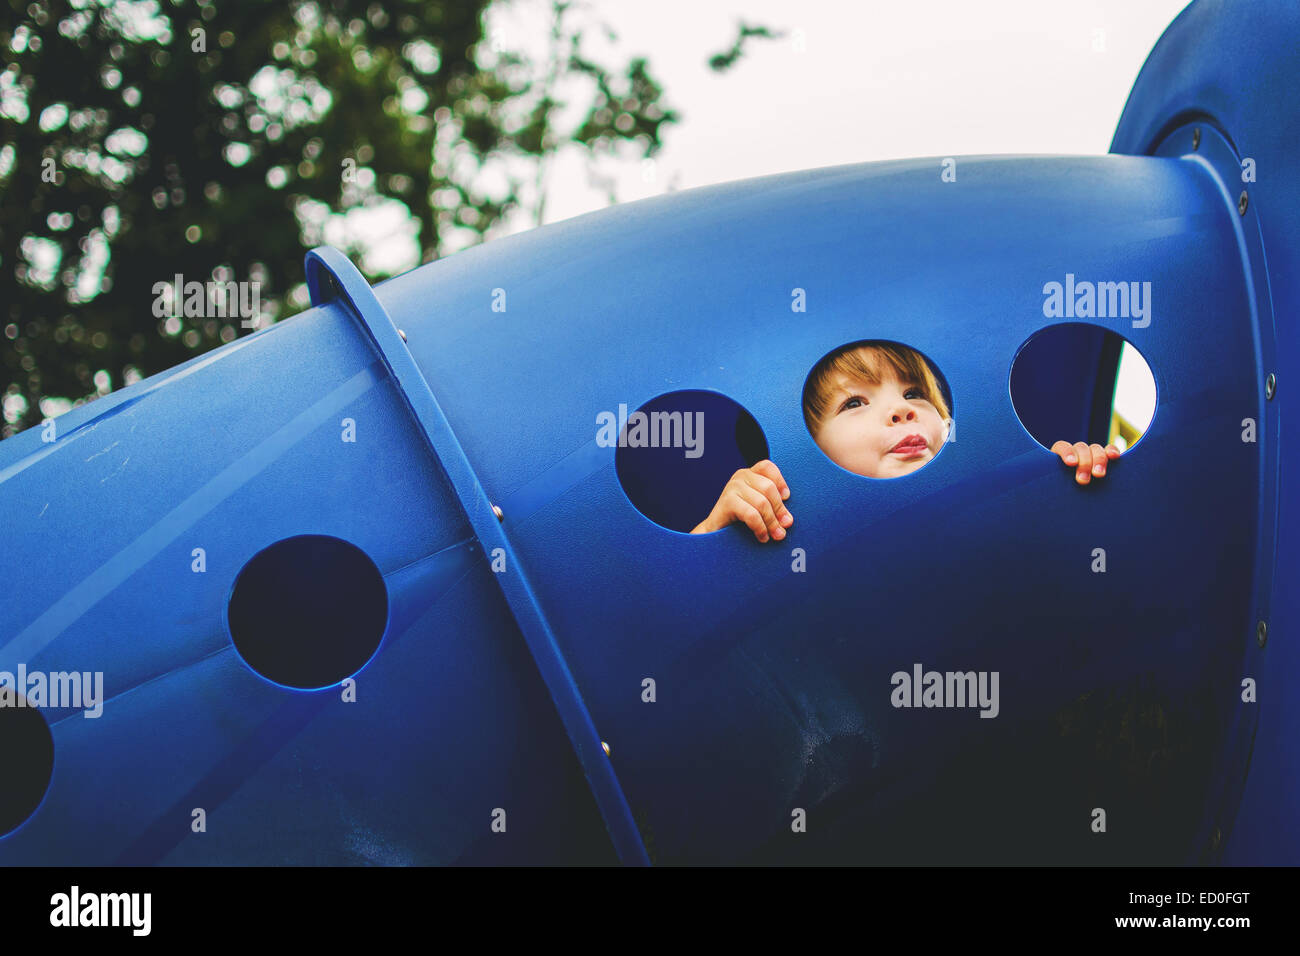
[878, 408]
[28, 749]
[308, 611]
[677, 452]
[1078, 382]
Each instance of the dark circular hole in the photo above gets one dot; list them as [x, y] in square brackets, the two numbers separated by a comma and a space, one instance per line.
[27, 752]
[1078, 382]
[308, 611]
[675, 460]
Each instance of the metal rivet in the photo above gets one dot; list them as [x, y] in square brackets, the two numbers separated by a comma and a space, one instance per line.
[497, 511]
[1196, 138]
[606, 746]
[1261, 633]
[1242, 202]
[1270, 386]
[402, 334]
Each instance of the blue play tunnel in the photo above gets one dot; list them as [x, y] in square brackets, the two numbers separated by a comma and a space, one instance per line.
[367, 596]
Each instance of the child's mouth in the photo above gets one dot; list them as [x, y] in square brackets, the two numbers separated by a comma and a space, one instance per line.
[909, 446]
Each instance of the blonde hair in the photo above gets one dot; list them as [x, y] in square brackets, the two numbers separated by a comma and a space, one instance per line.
[867, 361]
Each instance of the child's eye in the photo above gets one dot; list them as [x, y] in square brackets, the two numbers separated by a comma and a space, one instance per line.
[911, 390]
[847, 404]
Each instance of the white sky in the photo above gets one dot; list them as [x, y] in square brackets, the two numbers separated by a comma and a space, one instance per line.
[879, 79]
[851, 82]
[1135, 389]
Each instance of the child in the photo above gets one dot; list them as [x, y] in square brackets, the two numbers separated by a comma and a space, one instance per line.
[875, 409]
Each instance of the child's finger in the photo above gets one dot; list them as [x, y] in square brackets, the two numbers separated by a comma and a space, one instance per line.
[750, 515]
[769, 489]
[1084, 454]
[767, 468]
[1112, 451]
[1099, 461]
[1066, 451]
[759, 501]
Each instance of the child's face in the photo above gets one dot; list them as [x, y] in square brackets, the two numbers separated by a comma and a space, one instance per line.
[869, 426]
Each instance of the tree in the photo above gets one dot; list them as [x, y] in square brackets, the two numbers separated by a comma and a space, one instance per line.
[139, 142]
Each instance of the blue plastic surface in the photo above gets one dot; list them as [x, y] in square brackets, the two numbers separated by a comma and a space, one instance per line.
[1232, 68]
[772, 685]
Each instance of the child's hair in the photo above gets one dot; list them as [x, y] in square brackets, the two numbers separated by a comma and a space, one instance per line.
[866, 360]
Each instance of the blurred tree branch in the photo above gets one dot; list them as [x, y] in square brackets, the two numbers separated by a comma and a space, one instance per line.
[142, 140]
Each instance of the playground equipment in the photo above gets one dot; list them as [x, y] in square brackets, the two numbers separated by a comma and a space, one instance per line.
[362, 595]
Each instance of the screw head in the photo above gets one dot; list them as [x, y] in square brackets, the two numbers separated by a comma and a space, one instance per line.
[1242, 202]
[1270, 386]
[402, 334]
[496, 510]
[1261, 633]
[1196, 138]
[606, 747]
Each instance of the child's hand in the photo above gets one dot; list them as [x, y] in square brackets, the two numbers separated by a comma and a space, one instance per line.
[754, 496]
[1091, 459]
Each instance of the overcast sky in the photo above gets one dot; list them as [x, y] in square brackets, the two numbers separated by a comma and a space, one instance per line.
[850, 82]
[863, 81]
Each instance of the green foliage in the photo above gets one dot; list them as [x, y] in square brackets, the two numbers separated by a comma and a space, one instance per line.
[721, 62]
[140, 140]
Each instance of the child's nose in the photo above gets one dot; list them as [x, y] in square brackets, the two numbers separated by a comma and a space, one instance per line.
[904, 414]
